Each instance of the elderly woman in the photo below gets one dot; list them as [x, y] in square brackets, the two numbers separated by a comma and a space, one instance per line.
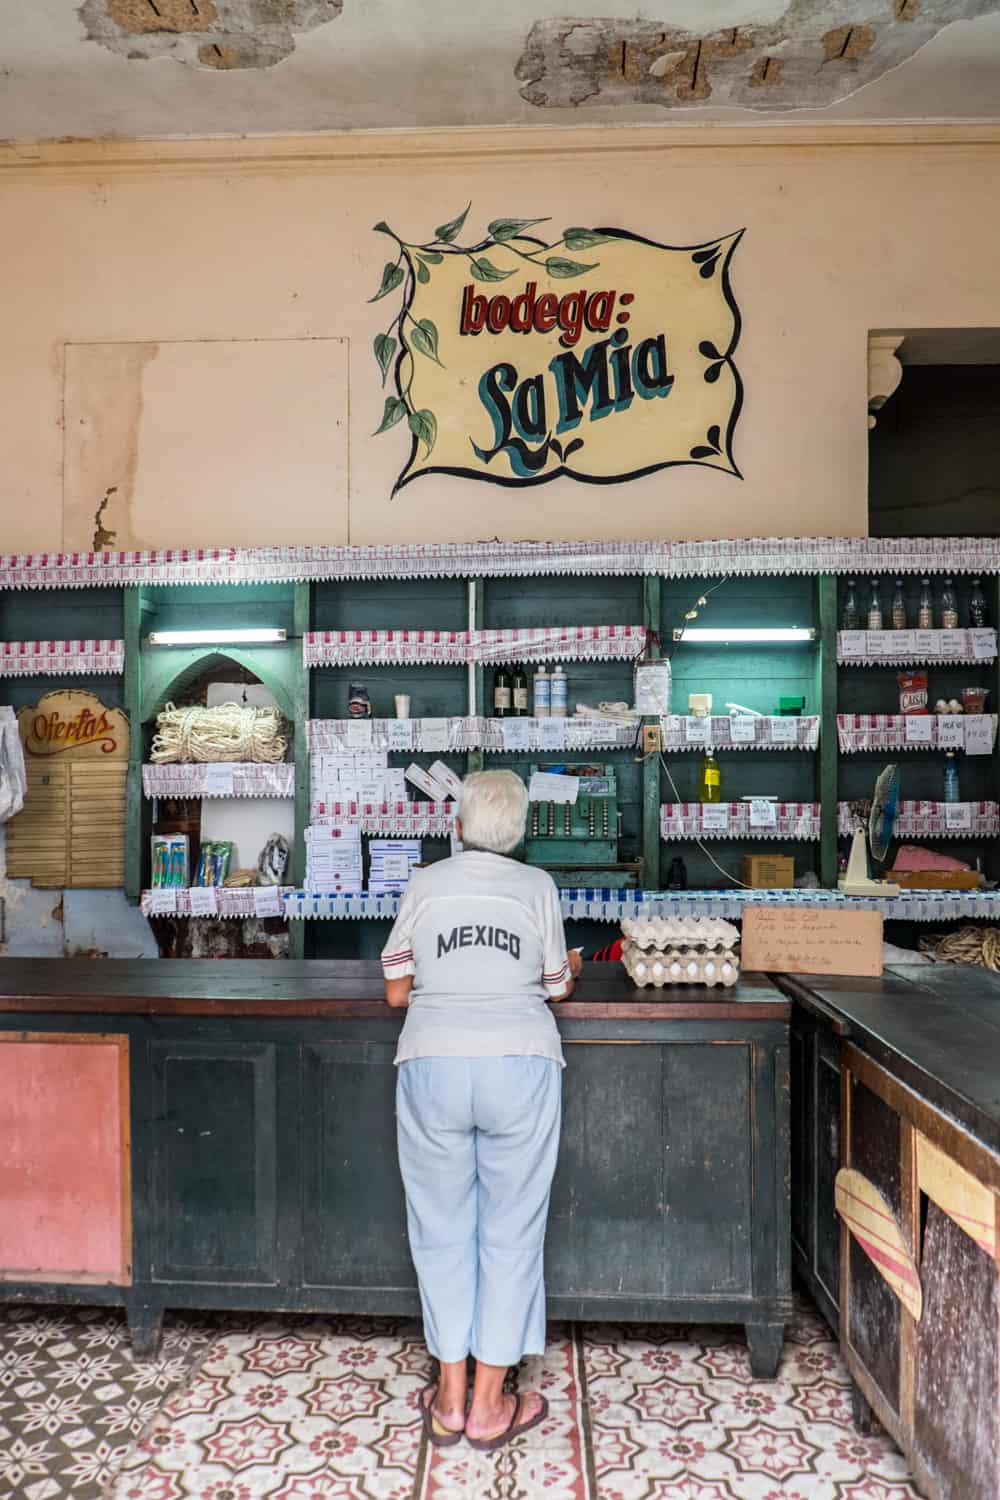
[477, 950]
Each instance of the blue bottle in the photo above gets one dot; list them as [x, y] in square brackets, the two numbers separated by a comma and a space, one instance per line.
[951, 791]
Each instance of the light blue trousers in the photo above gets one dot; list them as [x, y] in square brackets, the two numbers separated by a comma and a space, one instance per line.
[478, 1140]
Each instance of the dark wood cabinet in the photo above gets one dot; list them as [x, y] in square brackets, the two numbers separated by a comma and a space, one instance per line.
[816, 1144]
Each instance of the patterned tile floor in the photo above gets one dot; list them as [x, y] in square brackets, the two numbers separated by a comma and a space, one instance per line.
[326, 1409]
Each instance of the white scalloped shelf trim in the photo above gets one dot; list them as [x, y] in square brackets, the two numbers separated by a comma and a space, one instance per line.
[678, 730]
[471, 732]
[61, 658]
[233, 901]
[597, 905]
[388, 819]
[934, 820]
[348, 648]
[687, 820]
[888, 648]
[859, 732]
[742, 557]
[249, 780]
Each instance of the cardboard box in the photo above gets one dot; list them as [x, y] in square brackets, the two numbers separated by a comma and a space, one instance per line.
[769, 871]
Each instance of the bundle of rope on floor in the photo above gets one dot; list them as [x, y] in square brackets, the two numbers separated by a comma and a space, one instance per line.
[970, 945]
[228, 732]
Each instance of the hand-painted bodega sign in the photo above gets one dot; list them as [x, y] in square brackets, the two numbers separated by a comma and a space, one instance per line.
[603, 357]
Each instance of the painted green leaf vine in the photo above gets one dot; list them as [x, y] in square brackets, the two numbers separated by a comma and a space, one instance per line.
[407, 336]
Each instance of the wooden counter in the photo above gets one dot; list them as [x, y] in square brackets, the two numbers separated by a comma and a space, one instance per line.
[913, 1146]
[246, 1157]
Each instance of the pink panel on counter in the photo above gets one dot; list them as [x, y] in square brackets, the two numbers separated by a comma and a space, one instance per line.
[63, 1159]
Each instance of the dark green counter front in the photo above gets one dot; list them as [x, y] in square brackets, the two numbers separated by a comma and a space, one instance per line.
[256, 1159]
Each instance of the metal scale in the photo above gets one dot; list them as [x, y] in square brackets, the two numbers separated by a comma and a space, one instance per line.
[578, 841]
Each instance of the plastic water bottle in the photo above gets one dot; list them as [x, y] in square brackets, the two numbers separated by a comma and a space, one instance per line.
[558, 693]
[541, 699]
[951, 790]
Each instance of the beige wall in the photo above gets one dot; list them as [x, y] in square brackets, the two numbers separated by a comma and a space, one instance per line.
[272, 242]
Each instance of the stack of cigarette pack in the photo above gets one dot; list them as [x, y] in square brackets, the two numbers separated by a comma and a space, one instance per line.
[333, 860]
[392, 862]
[357, 776]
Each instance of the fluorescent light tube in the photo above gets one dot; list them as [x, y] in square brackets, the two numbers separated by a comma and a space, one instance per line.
[704, 635]
[265, 636]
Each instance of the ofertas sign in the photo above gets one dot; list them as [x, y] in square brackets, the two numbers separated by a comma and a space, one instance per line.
[599, 355]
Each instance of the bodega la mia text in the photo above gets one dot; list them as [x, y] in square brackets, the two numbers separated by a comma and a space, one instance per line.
[593, 378]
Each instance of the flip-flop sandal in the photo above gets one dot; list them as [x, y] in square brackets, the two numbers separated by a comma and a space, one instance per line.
[512, 1430]
[438, 1435]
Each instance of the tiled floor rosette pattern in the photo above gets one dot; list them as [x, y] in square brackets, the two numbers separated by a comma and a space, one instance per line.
[72, 1399]
[326, 1409]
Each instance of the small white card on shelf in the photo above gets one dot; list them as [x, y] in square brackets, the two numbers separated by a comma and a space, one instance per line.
[358, 734]
[926, 648]
[516, 733]
[904, 644]
[878, 642]
[784, 731]
[951, 731]
[163, 901]
[552, 734]
[918, 729]
[978, 734]
[763, 814]
[579, 732]
[399, 733]
[952, 643]
[743, 729]
[984, 644]
[218, 781]
[434, 734]
[715, 817]
[853, 644]
[696, 730]
[957, 816]
[204, 900]
[267, 901]
[546, 786]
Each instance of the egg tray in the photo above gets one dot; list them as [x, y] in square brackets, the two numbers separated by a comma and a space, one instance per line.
[660, 933]
[664, 951]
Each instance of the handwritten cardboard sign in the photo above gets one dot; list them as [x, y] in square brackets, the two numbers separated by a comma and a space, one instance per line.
[804, 940]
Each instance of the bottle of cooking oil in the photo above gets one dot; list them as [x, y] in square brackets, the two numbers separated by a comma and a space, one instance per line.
[711, 778]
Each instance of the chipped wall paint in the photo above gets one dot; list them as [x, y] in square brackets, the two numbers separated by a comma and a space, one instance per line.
[70, 924]
[221, 34]
[818, 52]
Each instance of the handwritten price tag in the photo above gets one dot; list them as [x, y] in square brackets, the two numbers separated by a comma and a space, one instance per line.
[918, 729]
[204, 901]
[951, 731]
[904, 643]
[852, 644]
[957, 816]
[516, 733]
[358, 733]
[984, 644]
[696, 731]
[879, 642]
[743, 729]
[715, 817]
[978, 734]
[267, 901]
[784, 732]
[399, 733]
[926, 645]
[434, 734]
[218, 781]
[952, 643]
[551, 734]
[162, 903]
[763, 814]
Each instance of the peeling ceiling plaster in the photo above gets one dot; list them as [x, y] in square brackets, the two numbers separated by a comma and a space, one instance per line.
[108, 68]
[818, 52]
[210, 33]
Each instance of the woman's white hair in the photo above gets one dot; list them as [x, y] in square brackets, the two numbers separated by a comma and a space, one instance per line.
[493, 810]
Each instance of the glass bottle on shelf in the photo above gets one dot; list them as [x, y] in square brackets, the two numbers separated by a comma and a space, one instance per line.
[501, 693]
[949, 606]
[519, 692]
[711, 778]
[875, 608]
[979, 614]
[851, 617]
[925, 610]
[899, 620]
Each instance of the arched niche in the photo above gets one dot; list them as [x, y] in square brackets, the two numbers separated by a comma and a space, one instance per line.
[168, 670]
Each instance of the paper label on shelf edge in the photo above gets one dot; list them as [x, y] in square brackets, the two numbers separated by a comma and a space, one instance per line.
[904, 643]
[696, 730]
[715, 817]
[853, 643]
[163, 902]
[516, 733]
[978, 734]
[950, 731]
[957, 815]
[218, 779]
[925, 643]
[743, 729]
[784, 731]
[358, 734]
[763, 814]
[952, 642]
[983, 643]
[434, 734]
[918, 729]
[267, 901]
[399, 734]
[546, 786]
[552, 734]
[204, 900]
[878, 642]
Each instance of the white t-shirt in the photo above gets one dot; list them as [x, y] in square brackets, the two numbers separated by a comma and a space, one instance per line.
[483, 937]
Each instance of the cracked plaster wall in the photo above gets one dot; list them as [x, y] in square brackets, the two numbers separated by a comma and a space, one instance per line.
[818, 52]
[70, 924]
[220, 34]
